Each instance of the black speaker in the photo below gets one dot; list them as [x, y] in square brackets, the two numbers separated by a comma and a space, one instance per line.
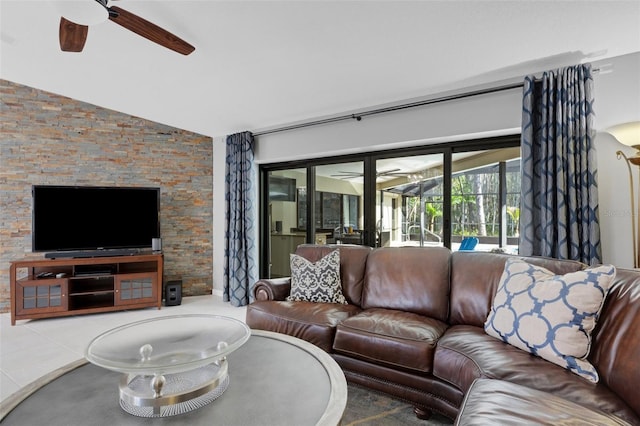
[173, 293]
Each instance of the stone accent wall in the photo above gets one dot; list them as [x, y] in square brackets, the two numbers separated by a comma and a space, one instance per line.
[47, 139]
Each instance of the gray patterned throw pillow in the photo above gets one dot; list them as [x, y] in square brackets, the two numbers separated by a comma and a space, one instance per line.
[316, 282]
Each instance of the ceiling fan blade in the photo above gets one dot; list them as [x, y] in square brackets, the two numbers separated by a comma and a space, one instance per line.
[148, 30]
[388, 172]
[72, 36]
[346, 174]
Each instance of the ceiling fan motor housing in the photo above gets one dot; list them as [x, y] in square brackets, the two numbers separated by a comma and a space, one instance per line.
[83, 12]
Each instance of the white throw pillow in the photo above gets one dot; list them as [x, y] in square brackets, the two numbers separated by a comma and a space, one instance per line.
[551, 316]
[316, 282]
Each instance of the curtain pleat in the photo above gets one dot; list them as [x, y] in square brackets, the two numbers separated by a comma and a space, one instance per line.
[559, 214]
[240, 255]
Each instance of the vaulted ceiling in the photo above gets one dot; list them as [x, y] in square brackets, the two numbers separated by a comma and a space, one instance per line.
[259, 64]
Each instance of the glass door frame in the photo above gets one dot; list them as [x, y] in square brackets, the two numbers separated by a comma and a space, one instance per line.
[369, 175]
[445, 151]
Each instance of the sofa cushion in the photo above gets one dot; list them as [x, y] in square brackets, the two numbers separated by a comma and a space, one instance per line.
[410, 279]
[316, 281]
[550, 315]
[465, 353]
[496, 402]
[389, 337]
[474, 282]
[313, 322]
[616, 340]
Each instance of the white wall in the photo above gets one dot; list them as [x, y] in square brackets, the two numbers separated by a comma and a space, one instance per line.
[615, 205]
[219, 162]
[484, 115]
[617, 100]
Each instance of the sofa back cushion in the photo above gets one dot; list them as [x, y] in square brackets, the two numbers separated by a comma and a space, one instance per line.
[410, 279]
[615, 350]
[353, 260]
[474, 281]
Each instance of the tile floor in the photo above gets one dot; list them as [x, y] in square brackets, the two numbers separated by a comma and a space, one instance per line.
[33, 348]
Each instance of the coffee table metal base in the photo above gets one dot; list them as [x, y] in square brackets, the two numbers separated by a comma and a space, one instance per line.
[173, 394]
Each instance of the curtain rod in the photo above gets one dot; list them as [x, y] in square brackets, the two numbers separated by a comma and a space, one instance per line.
[358, 116]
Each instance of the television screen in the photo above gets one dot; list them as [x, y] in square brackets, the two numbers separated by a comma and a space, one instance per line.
[91, 218]
[282, 189]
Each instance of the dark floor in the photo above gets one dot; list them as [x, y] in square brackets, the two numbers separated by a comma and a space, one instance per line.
[371, 408]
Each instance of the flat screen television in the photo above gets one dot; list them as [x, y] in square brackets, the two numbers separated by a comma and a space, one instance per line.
[93, 218]
[282, 189]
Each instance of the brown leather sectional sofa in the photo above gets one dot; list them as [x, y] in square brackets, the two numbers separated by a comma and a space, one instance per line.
[413, 328]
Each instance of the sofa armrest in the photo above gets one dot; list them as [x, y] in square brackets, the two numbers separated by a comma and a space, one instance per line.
[272, 289]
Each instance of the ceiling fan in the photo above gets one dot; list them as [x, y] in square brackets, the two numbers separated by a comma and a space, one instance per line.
[78, 15]
[351, 175]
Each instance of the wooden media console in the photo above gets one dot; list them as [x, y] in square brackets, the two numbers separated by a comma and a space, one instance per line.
[72, 286]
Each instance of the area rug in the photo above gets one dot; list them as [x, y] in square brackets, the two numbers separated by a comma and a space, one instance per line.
[371, 408]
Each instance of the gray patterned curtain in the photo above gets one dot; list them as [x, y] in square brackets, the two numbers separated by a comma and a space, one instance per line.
[559, 204]
[240, 252]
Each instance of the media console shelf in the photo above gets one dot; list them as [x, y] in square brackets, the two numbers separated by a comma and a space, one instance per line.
[59, 287]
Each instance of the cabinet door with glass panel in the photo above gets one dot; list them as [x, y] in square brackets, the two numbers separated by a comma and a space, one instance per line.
[135, 288]
[41, 296]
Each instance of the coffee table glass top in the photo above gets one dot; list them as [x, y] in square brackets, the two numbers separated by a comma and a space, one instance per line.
[167, 345]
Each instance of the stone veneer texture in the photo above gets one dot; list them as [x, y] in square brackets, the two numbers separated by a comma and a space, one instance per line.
[47, 139]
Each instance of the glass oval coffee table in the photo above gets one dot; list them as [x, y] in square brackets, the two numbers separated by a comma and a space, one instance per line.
[171, 364]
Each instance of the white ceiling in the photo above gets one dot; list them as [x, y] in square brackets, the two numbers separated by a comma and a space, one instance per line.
[259, 64]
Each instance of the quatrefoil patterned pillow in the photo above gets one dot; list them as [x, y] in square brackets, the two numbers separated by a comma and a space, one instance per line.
[551, 316]
[316, 282]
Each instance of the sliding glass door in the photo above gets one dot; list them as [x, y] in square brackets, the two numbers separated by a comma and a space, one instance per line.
[485, 199]
[409, 200]
[440, 195]
[339, 192]
[330, 197]
[285, 231]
